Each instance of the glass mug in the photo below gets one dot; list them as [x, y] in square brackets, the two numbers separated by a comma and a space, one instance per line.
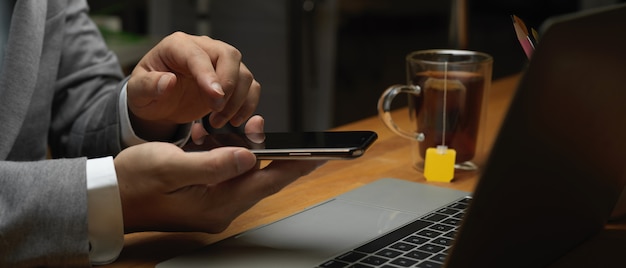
[447, 102]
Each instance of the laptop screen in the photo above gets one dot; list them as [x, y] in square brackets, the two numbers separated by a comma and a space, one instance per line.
[556, 168]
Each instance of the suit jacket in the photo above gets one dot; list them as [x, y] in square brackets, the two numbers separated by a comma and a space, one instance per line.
[59, 89]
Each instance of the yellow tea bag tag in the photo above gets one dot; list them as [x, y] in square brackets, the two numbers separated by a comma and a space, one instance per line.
[439, 164]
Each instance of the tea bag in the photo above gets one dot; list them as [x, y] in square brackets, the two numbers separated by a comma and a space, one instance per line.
[439, 164]
[439, 161]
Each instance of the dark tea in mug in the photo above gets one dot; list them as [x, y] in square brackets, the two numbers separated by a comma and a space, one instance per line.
[448, 111]
[447, 92]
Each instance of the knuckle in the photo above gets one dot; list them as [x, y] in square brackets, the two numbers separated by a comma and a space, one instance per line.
[248, 77]
[228, 49]
[171, 39]
[229, 84]
[255, 85]
[233, 52]
[176, 35]
[206, 38]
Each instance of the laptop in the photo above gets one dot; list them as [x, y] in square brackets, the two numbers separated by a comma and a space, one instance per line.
[551, 182]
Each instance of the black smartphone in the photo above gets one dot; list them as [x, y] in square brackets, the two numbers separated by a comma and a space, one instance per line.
[292, 145]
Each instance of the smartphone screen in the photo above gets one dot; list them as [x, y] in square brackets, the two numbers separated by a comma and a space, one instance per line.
[293, 145]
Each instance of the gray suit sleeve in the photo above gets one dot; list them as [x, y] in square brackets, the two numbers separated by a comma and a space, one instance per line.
[43, 204]
[43, 208]
[85, 117]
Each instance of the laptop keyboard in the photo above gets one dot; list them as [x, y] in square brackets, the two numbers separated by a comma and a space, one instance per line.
[423, 243]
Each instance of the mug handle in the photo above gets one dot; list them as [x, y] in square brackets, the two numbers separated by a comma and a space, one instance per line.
[384, 109]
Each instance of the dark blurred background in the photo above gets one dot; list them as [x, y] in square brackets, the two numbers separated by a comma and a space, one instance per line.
[324, 63]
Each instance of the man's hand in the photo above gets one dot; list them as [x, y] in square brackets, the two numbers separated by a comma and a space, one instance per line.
[166, 189]
[185, 77]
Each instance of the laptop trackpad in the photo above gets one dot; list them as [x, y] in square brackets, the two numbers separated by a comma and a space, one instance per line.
[307, 237]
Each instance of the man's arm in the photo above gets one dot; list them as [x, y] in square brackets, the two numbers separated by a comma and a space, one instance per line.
[85, 119]
[44, 213]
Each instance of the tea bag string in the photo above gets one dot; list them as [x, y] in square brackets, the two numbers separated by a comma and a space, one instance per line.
[445, 103]
[439, 161]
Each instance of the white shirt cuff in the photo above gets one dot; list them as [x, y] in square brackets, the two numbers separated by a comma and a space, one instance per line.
[105, 223]
[129, 138]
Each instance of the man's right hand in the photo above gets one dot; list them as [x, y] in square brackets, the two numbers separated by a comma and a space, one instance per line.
[163, 188]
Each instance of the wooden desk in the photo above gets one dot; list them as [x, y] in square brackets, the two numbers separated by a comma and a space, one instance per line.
[388, 157]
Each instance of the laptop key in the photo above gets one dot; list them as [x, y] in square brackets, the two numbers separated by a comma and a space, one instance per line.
[389, 253]
[442, 241]
[442, 227]
[466, 200]
[459, 215]
[452, 221]
[429, 233]
[459, 206]
[404, 262]
[418, 255]
[450, 234]
[416, 239]
[448, 211]
[402, 246]
[373, 260]
[431, 248]
[440, 257]
[398, 234]
[429, 264]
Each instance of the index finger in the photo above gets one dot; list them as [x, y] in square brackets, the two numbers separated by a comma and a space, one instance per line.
[202, 69]
[177, 54]
[226, 61]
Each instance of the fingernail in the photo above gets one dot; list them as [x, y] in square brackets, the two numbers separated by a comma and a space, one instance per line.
[243, 160]
[218, 102]
[164, 81]
[262, 124]
[198, 141]
[217, 88]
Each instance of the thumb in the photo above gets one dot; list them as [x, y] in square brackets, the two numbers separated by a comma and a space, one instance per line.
[145, 87]
[217, 165]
